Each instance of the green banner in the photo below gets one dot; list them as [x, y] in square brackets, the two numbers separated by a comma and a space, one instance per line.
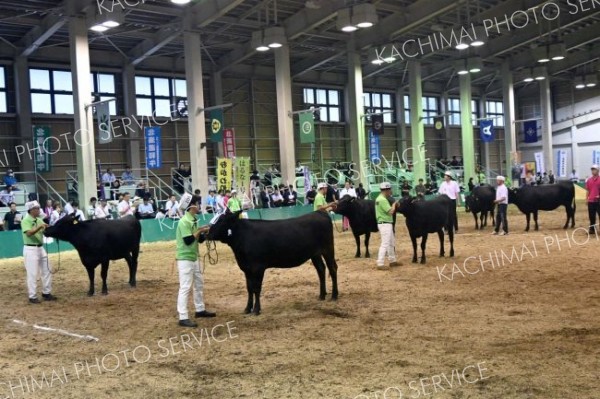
[307, 128]
[216, 126]
[42, 149]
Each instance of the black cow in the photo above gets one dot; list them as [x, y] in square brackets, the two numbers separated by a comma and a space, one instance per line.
[361, 214]
[99, 241]
[424, 217]
[481, 200]
[261, 244]
[547, 197]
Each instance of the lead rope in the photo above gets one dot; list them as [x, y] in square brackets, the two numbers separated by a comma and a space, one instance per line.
[211, 254]
[340, 231]
[48, 258]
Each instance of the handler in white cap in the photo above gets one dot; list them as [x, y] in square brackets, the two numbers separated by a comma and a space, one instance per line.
[188, 264]
[34, 254]
[592, 185]
[451, 189]
[384, 213]
[320, 203]
[502, 201]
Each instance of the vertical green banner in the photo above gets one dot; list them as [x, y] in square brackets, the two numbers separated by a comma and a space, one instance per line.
[307, 128]
[216, 125]
[41, 155]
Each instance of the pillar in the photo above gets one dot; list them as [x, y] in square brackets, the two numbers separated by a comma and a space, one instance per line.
[446, 145]
[130, 108]
[468, 144]
[82, 95]
[400, 122]
[23, 105]
[546, 105]
[196, 120]
[510, 139]
[283, 82]
[417, 124]
[356, 122]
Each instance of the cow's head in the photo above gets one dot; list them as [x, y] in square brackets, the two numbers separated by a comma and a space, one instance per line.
[513, 195]
[405, 205]
[471, 202]
[344, 205]
[63, 228]
[223, 226]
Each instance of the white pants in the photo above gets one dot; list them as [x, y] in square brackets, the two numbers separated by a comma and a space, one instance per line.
[189, 272]
[36, 263]
[388, 244]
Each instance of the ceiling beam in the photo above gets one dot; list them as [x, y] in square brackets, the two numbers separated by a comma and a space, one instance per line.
[39, 34]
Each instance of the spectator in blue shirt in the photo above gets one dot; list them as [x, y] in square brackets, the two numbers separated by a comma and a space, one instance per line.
[9, 178]
[127, 177]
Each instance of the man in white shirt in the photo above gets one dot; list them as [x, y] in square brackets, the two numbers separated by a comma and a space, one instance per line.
[451, 189]
[69, 207]
[7, 196]
[172, 208]
[502, 201]
[574, 176]
[347, 190]
[145, 210]
[108, 177]
[220, 202]
[78, 212]
[102, 210]
[125, 209]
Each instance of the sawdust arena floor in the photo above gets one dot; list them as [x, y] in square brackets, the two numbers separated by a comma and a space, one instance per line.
[529, 328]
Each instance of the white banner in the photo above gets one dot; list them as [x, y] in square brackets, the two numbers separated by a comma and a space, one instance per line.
[104, 128]
[596, 157]
[561, 170]
[539, 162]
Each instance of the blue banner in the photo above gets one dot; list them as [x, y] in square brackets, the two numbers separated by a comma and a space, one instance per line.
[595, 157]
[153, 148]
[530, 128]
[374, 150]
[486, 130]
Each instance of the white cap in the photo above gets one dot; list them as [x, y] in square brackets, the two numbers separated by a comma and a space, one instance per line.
[321, 185]
[385, 186]
[233, 192]
[500, 177]
[185, 201]
[594, 166]
[31, 205]
[448, 173]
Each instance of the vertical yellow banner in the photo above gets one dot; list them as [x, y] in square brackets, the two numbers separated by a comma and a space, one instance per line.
[242, 173]
[224, 174]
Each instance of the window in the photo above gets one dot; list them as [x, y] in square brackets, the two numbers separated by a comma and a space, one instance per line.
[103, 86]
[430, 109]
[495, 108]
[326, 99]
[407, 110]
[454, 112]
[3, 105]
[51, 91]
[381, 102]
[156, 95]
[475, 112]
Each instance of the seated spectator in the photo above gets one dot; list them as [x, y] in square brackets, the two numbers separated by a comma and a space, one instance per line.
[454, 162]
[545, 178]
[47, 211]
[91, 210]
[146, 210]
[124, 208]
[12, 219]
[127, 177]
[265, 198]
[254, 179]
[420, 189]
[361, 193]
[299, 169]
[10, 179]
[405, 190]
[56, 213]
[102, 210]
[7, 196]
[108, 178]
[276, 199]
[172, 208]
[142, 191]
[68, 209]
[77, 211]
[211, 202]
[348, 190]
[311, 194]
[234, 204]
[292, 196]
[115, 188]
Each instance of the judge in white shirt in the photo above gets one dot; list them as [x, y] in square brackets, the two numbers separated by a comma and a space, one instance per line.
[347, 190]
[172, 208]
[451, 189]
[69, 208]
[55, 215]
[102, 210]
[125, 209]
[78, 212]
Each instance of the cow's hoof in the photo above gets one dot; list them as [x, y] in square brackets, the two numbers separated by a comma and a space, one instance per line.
[452, 254]
[132, 285]
[321, 297]
[414, 260]
[423, 261]
[367, 255]
[247, 311]
[256, 312]
[90, 293]
[334, 297]
[357, 256]
[104, 292]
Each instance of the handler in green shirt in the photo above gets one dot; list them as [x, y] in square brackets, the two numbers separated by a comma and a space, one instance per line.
[384, 214]
[34, 254]
[320, 203]
[234, 204]
[187, 237]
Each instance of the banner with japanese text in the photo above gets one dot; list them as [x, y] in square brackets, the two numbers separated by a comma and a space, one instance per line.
[229, 143]
[153, 147]
[561, 170]
[42, 153]
[242, 173]
[224, 173]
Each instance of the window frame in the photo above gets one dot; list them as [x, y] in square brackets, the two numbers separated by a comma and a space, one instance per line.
[499, 122]
[104, 95]
[429, 113]
[324, 108]
[52, 91]
[153, 97]
[388, 117]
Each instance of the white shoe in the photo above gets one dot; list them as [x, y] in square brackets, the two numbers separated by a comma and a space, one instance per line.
[502, 233]
[494, 233]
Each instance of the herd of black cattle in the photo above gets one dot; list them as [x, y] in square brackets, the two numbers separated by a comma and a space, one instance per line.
[258, 244]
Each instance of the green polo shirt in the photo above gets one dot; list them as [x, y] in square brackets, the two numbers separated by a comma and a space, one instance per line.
[234, 204]
[319, 201]
[382, 209]
[28, 223]
[185, 228]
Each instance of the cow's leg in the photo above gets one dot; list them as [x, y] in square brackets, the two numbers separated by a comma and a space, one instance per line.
[528, 218]
[320, 266]
[492, 217]
[332, 267]
[357, 239]
[413, 238]
[451, 236]
[535, 218]
[423, 246]
[367, 238]
[133, 266]
[91, 271]
[104, 274]
[441, 237]
[257, 280]
[250, 294]
[475, 217]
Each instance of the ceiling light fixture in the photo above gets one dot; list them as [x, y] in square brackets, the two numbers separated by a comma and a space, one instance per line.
[275, 37]
[258, 41]
[474, 64]
[364, 15]
[579, 83]
[539, 73]
[180, 2]
[591, 80]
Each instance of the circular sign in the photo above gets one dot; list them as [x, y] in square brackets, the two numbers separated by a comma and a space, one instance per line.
[438, 125]
[306, 127]
[377, 125]
[216, 126]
